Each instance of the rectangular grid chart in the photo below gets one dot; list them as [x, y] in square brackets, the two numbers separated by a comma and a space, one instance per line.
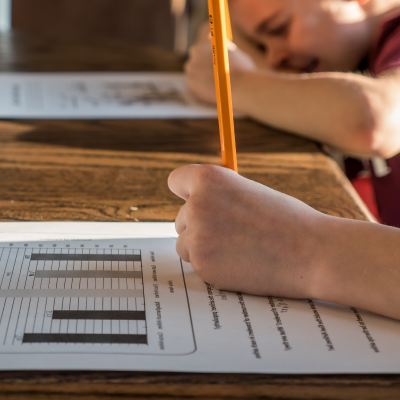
[71, 295]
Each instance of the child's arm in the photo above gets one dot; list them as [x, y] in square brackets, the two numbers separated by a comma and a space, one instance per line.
[357, 114]
[242, 236]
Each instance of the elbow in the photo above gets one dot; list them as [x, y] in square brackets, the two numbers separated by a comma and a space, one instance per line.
[384, 150]
[368, 139]
[373, 135]
[377, 140]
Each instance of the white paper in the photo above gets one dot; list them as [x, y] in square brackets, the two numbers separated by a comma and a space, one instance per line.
[99, 96]
[136, 306]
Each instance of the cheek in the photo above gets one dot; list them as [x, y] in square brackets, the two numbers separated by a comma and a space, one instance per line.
[314, 37]
[303, 40]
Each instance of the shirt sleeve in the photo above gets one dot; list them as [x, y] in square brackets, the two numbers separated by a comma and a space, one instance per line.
[389, 53]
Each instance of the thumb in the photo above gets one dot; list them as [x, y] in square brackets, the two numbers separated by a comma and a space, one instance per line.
[180, 181]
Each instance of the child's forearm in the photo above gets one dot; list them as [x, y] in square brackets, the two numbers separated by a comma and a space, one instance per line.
[343, 110]
[362, 266]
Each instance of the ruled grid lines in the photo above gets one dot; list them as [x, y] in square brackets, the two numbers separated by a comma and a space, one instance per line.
[69, 296]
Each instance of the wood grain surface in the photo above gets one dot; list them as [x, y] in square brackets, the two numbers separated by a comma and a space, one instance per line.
[155, 386]
[44, 182]
[98, 170]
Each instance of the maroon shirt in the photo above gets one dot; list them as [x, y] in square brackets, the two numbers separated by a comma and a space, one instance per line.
[386, 55]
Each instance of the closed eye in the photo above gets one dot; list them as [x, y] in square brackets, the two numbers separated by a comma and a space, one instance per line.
[280, 30]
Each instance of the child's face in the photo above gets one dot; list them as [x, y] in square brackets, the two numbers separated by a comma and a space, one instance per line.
[306, 35]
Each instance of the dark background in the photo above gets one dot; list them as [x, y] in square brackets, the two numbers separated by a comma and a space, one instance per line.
[147, 22]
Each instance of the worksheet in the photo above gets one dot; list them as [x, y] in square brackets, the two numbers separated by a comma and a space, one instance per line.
[116, 296]
[99, 96]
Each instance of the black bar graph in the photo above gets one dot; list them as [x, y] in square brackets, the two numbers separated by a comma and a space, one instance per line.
[85, 257]
[72, 298]
[100, 315]
[42, 274]
[83, 338]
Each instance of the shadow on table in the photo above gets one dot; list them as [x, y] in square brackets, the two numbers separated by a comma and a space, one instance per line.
[189, 136]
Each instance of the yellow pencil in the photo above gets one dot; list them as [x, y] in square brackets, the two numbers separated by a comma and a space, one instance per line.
[229, 34]
[220, 29]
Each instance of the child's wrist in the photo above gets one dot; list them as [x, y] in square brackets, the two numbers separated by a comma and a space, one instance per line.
[333, 276]
[325, 255]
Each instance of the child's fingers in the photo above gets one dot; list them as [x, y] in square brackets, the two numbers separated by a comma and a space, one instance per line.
[180, 181]
[180, 222]
[181, 247]
[204, 33]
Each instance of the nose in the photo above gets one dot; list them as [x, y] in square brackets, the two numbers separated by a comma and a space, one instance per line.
[277, 54]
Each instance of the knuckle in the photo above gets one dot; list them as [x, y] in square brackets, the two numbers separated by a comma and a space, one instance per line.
[203, 257]
[178, 248]
[201, 261]
[201, 267]
[209, 275]
[192, 51]
[197, 210]
[209, 175]
[181, 249]
[199, 246]
[189, 70]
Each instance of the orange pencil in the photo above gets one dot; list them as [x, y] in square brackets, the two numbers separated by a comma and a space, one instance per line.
[220, 29]
[229, 34]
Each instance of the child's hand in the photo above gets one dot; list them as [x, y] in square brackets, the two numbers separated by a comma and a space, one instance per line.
[200, 72]
[242, 236]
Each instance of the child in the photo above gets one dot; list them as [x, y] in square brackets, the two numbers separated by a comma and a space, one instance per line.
[314, 49]
[240, 235]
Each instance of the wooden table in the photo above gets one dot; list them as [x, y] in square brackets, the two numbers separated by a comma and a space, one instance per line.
[98, 170]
